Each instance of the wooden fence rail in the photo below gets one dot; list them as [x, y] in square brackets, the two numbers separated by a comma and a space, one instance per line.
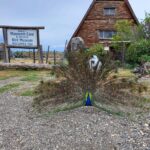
[26, 66]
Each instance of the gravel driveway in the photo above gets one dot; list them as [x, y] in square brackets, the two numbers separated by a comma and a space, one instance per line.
[85, 128]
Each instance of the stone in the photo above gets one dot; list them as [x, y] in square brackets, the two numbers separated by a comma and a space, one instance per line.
[147, 67]
[77, 44]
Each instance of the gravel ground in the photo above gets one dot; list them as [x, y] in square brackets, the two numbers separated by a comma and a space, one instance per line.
[85, 128]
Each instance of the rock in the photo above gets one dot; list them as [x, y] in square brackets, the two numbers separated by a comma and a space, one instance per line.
[77, 44]
[147, 67]
[146, 125]
[143, 69]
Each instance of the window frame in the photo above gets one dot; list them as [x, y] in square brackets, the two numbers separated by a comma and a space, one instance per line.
[113, 32]
[109, 8]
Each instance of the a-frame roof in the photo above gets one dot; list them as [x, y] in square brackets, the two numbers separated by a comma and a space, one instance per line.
[91, 6]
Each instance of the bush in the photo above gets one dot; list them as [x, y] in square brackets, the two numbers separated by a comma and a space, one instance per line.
[144, 58]
[97, 49]
[138, 50]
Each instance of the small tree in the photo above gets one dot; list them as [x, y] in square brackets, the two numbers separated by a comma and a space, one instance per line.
[146, 26]
[124, 31]
[138, 51]
[98, 50]
[123, 36]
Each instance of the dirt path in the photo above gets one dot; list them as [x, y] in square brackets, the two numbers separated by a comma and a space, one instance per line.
[80, 129]
[83, 128]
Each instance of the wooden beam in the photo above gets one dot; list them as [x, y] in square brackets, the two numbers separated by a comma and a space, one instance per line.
[23, 47]
[25, 66]
[22, 27]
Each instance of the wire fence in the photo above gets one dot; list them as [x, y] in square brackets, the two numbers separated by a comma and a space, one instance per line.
[32, 56]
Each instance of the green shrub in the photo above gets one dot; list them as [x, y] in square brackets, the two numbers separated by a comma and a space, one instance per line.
[28, 93]
[144, 58]
[96, 49]
[137, 50]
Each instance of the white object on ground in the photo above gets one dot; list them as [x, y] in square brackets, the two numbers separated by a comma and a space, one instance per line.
[95, 64]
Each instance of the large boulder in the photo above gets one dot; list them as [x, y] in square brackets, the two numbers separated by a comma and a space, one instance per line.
[77, 44]
[143, 69]
[147, 67]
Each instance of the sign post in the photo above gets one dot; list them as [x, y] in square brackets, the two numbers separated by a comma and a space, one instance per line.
[21, 37]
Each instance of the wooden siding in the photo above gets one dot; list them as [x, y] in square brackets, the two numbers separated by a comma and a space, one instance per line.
[95, 20]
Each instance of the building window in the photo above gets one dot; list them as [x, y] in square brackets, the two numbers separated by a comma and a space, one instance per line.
[109, 11]
[106, 34]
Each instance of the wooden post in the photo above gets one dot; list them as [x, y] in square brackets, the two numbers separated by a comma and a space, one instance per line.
[40, 53]
[29, 54]
[123, 52]
[54, 57]
[65, 50]
[47, 55]
[9, 54]
[6, 54]
[34, 56]
[66, 43]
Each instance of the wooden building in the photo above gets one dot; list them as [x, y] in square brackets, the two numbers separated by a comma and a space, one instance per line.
[98, 24]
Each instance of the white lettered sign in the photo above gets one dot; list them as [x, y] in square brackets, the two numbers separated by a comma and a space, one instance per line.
[23, 38]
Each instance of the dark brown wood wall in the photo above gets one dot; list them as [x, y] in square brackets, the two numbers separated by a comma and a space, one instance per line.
[96, 20]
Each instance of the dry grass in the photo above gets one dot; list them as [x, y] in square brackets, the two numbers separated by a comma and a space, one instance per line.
[125, 73]
[23, 60]
[6, 74]
[59, 58]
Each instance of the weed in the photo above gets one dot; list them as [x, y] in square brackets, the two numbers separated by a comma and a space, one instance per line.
[8, 87]
[26, 74]
[4, 78]
[31, 77]
[146, 100]
[6, 74]
[28, 93]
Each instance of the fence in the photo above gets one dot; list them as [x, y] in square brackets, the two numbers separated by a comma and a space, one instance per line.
[1, 51]
[31, 56]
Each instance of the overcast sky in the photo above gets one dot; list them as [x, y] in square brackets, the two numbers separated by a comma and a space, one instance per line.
[60, 18]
